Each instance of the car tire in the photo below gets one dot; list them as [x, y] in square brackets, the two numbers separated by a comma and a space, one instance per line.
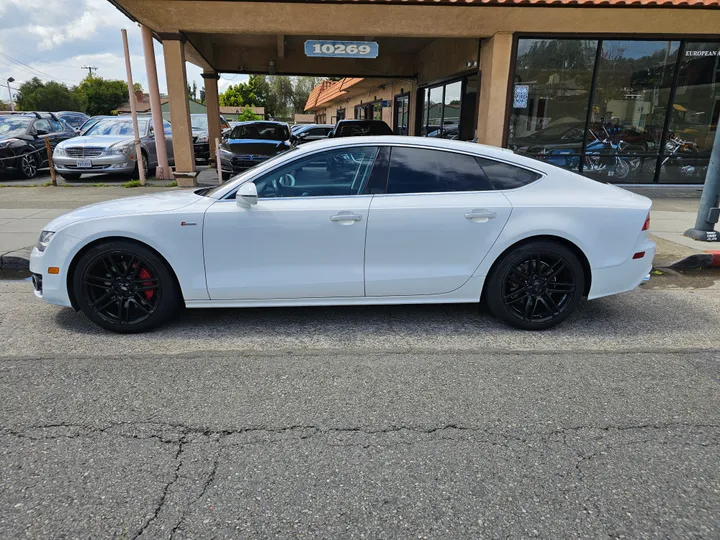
[125, 287]
[535, 286]
[135, 175]
[71, 176]
[29, 166]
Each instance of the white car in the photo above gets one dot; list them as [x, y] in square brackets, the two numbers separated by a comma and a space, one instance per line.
[354, 221]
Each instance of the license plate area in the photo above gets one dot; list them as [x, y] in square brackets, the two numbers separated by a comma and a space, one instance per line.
[84, 164]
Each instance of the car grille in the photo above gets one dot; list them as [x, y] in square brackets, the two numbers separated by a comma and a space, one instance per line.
[86, 151]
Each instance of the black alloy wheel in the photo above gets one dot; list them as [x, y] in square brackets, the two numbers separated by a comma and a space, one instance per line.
[125, 287]
[29, 166]
[536, 286]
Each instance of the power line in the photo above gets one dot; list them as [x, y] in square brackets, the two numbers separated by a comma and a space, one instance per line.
[90, 69]
[32, 68]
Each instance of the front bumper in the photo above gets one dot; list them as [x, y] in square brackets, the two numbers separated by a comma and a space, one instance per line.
[238, 164]
[52, 288]
[202, 151]
[111, 163]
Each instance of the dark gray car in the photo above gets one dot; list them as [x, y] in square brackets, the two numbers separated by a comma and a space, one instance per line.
[109, 147]
[311, 132]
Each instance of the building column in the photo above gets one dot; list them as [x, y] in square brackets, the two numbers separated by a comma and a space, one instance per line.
[412, 103]
[164, 171]
[212, 102]
[176, 77]
[495, 59]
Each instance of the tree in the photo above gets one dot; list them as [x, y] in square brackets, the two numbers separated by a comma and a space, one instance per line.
[192, 91]
[247, 115]
[301, 92]
[102, 96]
[255, 93]
[232, 96]
[36, 95]
[202, 96]
[137, 87]
[280, 98]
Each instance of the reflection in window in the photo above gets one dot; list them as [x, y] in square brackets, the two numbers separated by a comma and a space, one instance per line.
[550, 98]
[628, 110]
[332, 173]
[694, 115]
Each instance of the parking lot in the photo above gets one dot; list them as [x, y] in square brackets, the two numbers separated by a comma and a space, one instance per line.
[375, 422]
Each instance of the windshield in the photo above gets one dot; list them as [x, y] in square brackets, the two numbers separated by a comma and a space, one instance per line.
[354, 129]
[117, 126]
[199, 122]
[73, 120]
[246, 175]
[267, 132]
[11, 126]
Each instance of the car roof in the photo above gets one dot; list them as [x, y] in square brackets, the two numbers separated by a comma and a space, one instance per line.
[352, 121]
[246, 122]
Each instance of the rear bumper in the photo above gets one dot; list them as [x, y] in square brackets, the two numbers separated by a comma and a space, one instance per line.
[624, 277]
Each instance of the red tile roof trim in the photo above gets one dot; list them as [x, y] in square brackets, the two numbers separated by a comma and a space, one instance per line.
[577, 3]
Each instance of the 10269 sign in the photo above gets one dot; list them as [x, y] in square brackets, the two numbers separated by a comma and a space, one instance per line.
[341, 49]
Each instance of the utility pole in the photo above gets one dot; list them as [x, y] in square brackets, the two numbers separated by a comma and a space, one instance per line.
[709, 213]
[90, 69]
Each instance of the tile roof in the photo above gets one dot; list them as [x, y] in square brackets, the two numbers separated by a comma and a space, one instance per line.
[583, 3]
[327, 91]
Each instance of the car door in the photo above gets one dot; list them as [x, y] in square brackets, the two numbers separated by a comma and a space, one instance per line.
[41, 131]
[305, 237]
[434, 226]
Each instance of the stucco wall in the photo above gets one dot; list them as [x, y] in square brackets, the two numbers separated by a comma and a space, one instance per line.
[445, 57]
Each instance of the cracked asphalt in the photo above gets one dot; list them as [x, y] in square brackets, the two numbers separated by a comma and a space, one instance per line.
[410, 422]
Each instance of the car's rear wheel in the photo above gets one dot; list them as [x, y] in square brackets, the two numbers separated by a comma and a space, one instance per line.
[125, 287]
[29, 166]
[535, 286]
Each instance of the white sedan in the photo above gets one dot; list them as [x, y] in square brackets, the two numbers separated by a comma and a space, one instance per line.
[354, 221]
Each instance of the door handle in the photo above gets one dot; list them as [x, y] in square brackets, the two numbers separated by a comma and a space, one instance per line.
[480, 215]
[346, 217]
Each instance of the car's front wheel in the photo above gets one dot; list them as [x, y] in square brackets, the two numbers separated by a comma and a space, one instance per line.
[29, 166]
[535, 286]
[125, 287]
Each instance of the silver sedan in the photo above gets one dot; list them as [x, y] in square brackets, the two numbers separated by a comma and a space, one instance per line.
[108, 147]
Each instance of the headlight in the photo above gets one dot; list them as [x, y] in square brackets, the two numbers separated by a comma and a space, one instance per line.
[124, 150]
[44, 240]
[59, 151]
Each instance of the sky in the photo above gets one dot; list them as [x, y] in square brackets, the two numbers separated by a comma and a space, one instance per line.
[53, 39]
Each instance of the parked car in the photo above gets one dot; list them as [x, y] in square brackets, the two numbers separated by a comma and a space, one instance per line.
[109, 146]
[251, 143]
[22, 141]
[74, 119]
[412, 221]
[360, 128]
[200, 135]
[311, 132]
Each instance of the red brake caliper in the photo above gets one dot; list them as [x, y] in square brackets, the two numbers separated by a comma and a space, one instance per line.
[144, 274]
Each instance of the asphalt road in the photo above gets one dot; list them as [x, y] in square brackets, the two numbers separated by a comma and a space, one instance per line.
[403, 422]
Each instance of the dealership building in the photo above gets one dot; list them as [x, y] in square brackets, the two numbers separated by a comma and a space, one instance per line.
[625, 91]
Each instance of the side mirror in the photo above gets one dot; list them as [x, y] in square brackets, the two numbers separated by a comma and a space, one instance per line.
[41, 131]
[246, 195]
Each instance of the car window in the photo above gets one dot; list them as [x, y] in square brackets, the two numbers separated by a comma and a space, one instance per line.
[336, 172]
[58, 126]
[167, 127]
[318, 132]
[504, 176]
[416, 170]
[355, 129]
[42, 124]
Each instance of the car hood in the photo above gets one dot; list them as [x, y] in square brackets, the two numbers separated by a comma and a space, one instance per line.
[157, 203]
[255, 146]
[104, 141]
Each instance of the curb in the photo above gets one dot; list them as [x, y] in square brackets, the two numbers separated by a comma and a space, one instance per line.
[16, 260]
[709, 259]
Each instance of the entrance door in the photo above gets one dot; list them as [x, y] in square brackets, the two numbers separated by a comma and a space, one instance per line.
[434, 226]
[305, 238]
[401, 114]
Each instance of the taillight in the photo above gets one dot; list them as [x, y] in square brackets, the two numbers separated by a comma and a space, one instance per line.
[646, 225]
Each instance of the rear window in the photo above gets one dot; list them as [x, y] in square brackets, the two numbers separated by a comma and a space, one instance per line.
[504, 176]
[361, 129]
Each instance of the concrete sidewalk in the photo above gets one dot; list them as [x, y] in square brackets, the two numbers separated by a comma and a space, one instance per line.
[24, 211]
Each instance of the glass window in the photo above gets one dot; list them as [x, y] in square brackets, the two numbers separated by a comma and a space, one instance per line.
[117, 126]
[632, 91]
[693, 116]
[402, 114]
[504, 176]
[468, 111]
[44, 125]
[550, 98]
[337, 172]
[57, 126]
[414, 170]
[434, 107]
[261, 131]
[167, 128]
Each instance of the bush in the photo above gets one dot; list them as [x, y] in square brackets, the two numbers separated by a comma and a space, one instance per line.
[131, 184]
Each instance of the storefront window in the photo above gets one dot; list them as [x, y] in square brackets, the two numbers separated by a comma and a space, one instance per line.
[449, 110]
[694, 115]
[468, 110]
[402, 114]
[434, 108]
[550, 98]
[635, 127]
[632, 91]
